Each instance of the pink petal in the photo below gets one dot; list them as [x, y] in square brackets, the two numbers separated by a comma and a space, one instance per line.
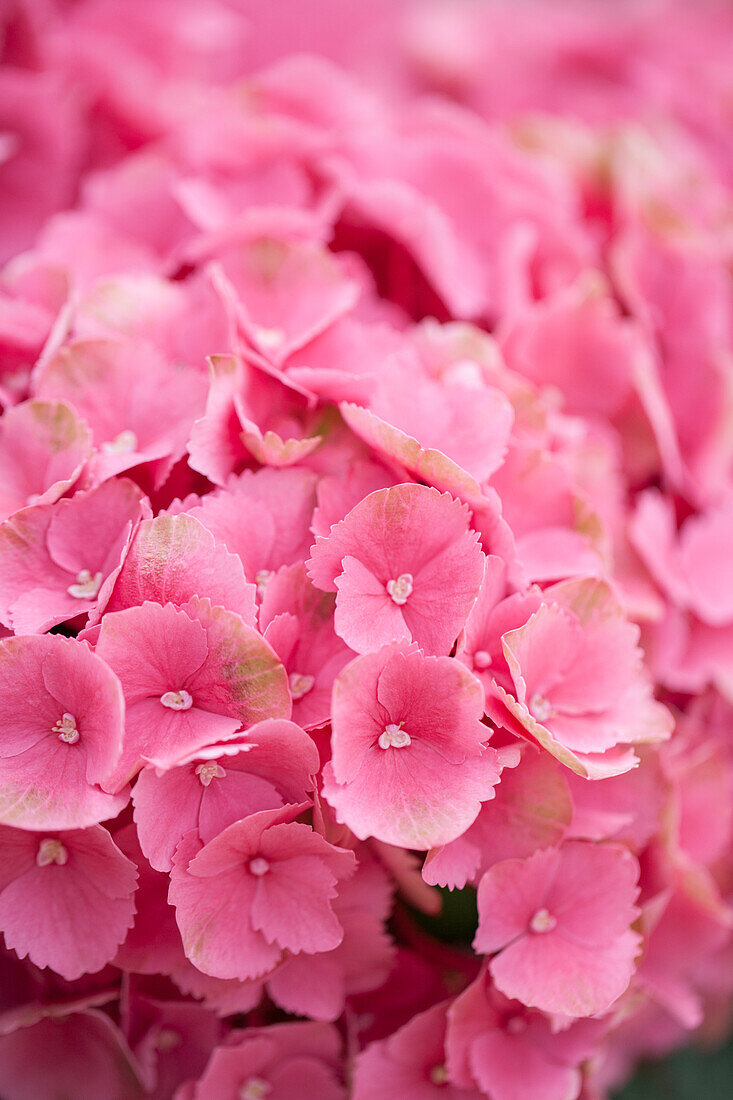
[365, 615]
[43, 447]
[71, 917]
[46, 782]
[531, 810]
[215, 922]
[173, 558]
[291, 906]
[426, 463]
[57, 1053]
[505, 1067]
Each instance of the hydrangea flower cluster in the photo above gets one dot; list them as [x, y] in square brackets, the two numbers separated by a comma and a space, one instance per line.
[366, 513]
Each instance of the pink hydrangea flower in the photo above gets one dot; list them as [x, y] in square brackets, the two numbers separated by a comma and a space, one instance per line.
[62, 734]
[148, 406]
[73, 250]
[405, 567]
[220, 784]
[262, 886]
[317, 985]
[43, 448]
[279, 1062]
[410, 762]
[504, 1049]
[66, 898]
[137, 305]
[580, 690]
[558, 925]
[189, 680]
[59, 561]
[411, 1062]
[700, 765]
[24, 328]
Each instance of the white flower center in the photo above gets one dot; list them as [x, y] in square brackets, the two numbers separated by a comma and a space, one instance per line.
[270, 338]
[516, 1025]
[261, 579]
[51, 851]
[168, 1039]
[86, 586]
[481, 659]
[401, 588]
[439, 1075]
[255, 1089]
[542, 921]
[540, 708]
[300, 684]
[123, 444]
[208, 771]
[177, 700]
[66, 729]
[394, 737]
[259, 866]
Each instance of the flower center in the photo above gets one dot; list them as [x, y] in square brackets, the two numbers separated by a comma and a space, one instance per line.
[208, 771]
[270, 338]
[542, 921]
[51, 851]
[400, 588]
[86, 586]
[394, 737]
[300, 684]
[439, 1075]
[66, 729]
[255, 1089]
[540, 708]
[259, 866]
[481, 659]
[516, 1025]
[122, 444]
[261, 578]
[177, 700]
[168, 1039]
